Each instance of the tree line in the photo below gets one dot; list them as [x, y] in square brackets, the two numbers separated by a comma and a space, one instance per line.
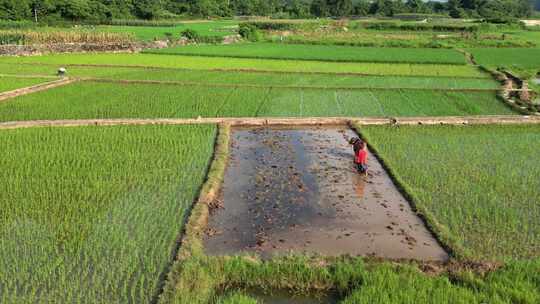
[106, 10]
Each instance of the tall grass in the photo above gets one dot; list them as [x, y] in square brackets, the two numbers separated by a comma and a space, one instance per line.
[52, 37]
[93, 214]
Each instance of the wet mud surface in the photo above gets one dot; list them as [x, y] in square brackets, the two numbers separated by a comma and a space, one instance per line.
[296, 189]
[285, 297]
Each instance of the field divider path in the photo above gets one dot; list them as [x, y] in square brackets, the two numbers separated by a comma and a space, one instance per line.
[288, 121]
[30, 76]
[258, 86]
[36, 88]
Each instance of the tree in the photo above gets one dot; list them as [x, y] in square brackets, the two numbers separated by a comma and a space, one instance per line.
[297, 8]
[74, 9]
[147, 9]
[382, 7]
[454, 9]
[40, 7]
[361, 8]
[415, 6]
[319, 8]
[13, 9]
[340, 8]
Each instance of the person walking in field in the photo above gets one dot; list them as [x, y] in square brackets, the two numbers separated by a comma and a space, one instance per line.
[360, 159]
[355, 142]
[360, 154]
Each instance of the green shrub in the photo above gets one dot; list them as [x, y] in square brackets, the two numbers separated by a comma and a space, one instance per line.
[249, 32]
[273, 26]
[190, 34]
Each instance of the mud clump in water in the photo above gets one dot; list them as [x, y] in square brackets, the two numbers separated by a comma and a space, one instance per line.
[297, 190]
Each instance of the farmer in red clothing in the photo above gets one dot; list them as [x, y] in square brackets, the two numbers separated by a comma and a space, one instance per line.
[355, 142]
[360, 159]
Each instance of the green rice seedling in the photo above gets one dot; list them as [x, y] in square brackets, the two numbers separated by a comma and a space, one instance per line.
[93, 214]
[112, 100]
[478, 183]
[247, 64]
[13, 83]
[319, 53]
[239, 78]
[525, 62]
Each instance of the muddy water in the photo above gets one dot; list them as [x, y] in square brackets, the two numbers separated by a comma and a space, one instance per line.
[297, 190]
[285, 297]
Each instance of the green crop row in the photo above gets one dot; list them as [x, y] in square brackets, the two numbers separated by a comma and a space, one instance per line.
[109, 100]
[319, 53]
[157, 32]
[525, 62]
[92, 215]
[233, 78]
[220, 63]
[479, 182]
[13, 83]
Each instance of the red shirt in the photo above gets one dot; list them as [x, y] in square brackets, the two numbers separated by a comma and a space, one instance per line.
[361, 157]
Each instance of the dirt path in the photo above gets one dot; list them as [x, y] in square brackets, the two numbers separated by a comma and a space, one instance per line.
[39, 87]
[449, 120]
[291, 189]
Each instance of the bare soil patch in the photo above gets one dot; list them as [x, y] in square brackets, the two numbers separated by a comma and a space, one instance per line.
[296, 189]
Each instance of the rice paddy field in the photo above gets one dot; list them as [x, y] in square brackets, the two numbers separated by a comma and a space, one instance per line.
[118, 214]
[115, 202]
[149, 33]
[12, 83]
[320, 53]
[474, 181]
[112, 100]
[255, 78]
[249, 64]
[525, 62]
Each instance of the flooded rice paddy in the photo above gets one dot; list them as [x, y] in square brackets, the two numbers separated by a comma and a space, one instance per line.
[286, 297]
[297, 190]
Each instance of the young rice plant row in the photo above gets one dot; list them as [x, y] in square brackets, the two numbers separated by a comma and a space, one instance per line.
[93, 214]
[480, 182]
[320, 52]
[105, 100]
[220, 63]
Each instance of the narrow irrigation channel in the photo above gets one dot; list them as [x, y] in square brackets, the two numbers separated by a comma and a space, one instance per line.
[295, 189]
